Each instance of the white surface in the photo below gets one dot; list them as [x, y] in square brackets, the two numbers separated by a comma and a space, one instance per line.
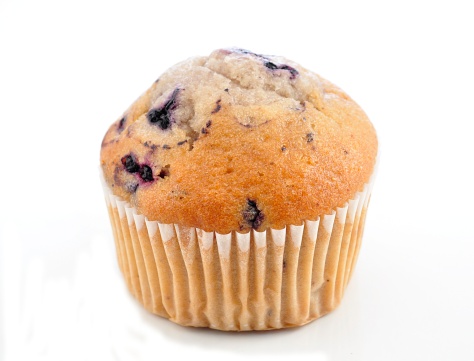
[67, 70]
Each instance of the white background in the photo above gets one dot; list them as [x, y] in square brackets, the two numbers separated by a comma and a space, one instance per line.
[69, 69]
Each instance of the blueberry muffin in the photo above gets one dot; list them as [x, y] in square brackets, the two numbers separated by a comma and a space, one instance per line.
[237, 187]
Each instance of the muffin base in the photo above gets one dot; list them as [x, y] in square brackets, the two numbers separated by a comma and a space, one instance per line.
[239, 282]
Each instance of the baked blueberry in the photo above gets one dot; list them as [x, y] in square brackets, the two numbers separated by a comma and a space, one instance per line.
[252, 215]
[130, 163]
[121, 124]
[163, 116]
[146, 174]
[273, 66]
[292, 70]
[218, 107]
[131, 187]
[270, 65]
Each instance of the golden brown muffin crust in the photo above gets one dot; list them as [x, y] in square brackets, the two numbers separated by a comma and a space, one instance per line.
[236, 141]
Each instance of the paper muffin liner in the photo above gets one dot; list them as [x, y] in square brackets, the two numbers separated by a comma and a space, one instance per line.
[239, 281]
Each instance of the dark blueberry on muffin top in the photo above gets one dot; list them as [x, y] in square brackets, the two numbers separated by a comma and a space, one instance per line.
[130, 163]
[146, 174]
[162, 116]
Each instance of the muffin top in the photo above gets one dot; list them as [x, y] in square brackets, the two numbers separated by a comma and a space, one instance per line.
[238, 140]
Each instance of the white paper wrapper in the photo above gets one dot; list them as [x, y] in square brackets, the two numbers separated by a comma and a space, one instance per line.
[253, 281]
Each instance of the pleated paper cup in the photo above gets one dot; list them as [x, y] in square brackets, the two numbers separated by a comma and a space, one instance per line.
[239, 281]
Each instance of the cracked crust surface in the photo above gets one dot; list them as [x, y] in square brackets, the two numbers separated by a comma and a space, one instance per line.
[237, 140]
